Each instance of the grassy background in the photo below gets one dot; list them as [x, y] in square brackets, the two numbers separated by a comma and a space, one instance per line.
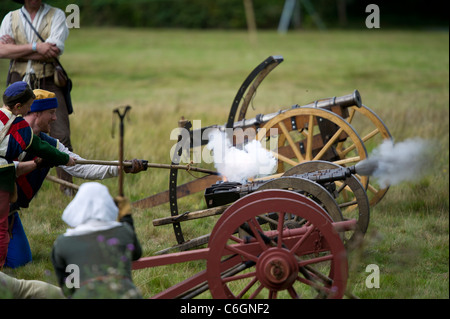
[401, 75]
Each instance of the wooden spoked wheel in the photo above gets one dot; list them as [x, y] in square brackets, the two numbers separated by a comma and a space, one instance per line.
[308, 134]
[350, 197]
[309, 189]
[305, 262]
[373, 132]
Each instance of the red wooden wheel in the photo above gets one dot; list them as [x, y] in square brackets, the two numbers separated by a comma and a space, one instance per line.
[307, 261]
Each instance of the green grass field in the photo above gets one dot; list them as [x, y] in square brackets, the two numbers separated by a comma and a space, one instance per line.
[165, 74]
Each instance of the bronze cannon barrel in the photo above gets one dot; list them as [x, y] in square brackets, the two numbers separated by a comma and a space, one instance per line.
[353, 99]
[344, 101]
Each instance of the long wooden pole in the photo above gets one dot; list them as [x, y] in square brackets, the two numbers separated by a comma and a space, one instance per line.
[62, 182]
[154, 165]
[190, 215]
[121, 139]
[250, 17]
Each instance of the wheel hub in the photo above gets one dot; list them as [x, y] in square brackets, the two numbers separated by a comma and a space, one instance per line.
[277, 269]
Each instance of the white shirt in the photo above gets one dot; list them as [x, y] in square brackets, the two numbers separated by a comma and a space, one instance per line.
[58, 32]
[89, 171]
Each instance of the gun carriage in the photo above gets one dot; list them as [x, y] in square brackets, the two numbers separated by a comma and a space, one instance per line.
[315, 133]
[284, 235]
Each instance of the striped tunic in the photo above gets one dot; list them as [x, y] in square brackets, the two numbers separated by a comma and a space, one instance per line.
[16, 136]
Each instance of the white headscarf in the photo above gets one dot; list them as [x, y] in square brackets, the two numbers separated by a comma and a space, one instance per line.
[92, 209]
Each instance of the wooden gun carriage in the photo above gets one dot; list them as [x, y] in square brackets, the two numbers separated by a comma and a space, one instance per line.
[283, 232]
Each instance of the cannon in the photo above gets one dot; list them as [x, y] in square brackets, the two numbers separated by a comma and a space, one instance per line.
[277, 238]
[271, 260]
[334, 187]
[287, 234]
[318, 135]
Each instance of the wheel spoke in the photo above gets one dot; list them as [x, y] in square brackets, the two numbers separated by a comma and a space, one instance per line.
[273, 294]
[370, 135]
[317, 274]
[372, 189]
[347, 150]
[239, 277]
[341, 186]
[257, 291]
[283, 158]
[269, 220]
[300, 242]
[280, 229]
[329, 144]
[314, 285]
[256, 232]
[310, 138]
[242, 253]
[348, 204]
[315, 260]
[236, 239]
[256, 225]
[348, 160]
[247, 288]
[352, 114]
[345, 191]
[364, 139]
[291, 142]
[293, 293]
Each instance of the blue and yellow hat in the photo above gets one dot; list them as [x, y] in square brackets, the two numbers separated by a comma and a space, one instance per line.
[45, 100]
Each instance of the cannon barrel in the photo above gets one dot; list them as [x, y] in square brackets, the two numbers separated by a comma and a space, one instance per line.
[223, 193]
[329, 175]
[342, 101]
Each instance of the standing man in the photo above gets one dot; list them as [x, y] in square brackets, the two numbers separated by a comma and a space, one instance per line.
[33, 60]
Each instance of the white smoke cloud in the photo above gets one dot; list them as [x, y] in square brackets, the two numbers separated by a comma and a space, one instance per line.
[404, 161]
[238, 165]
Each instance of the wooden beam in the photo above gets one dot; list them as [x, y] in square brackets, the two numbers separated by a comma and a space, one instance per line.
[190, 215]
[183, 190]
